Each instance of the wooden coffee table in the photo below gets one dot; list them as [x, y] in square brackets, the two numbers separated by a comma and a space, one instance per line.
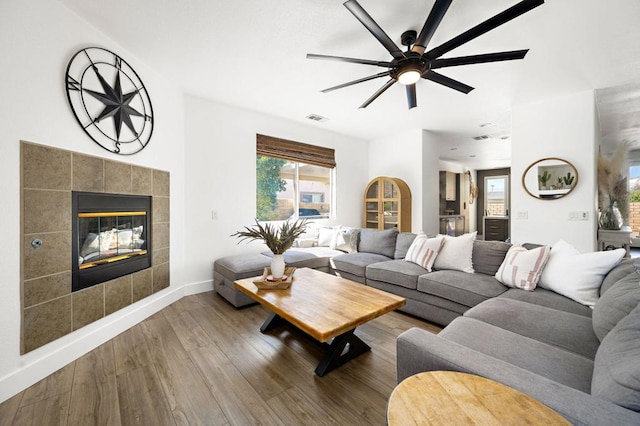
[325, 307]
[452, 398]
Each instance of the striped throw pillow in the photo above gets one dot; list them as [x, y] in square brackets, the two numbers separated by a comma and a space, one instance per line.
[423, 250]
[522, 268]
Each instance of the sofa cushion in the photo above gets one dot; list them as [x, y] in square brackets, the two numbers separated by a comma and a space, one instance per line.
[538, 357]
[549, 299]
[571, 332]
[355, 263]
[615, 304]
[488, 256]
[398, 272]
[616, 374]
[241, 266]
[456, 253]
[460, 287]
[620, 271]
[578, 275]
[310, 257]
[423, 251]
[378, 242]
[522, 268]
[403, 242]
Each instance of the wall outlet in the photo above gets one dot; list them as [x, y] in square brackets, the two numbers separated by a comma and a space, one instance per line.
[579, 215]
[214, 214]
[523, 214]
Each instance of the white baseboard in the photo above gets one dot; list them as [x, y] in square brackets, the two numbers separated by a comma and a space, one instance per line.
[44, 361]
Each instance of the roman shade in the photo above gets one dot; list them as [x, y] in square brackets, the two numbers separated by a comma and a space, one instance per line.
[295, 151]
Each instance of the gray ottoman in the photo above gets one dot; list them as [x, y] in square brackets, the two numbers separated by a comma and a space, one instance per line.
[228, 269]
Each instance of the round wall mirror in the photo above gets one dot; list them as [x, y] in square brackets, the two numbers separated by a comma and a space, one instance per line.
[550, 178]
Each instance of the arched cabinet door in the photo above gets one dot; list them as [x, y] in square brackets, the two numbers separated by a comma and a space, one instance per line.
[387, 204]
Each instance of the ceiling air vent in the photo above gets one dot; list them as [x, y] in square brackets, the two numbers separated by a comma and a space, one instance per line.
[480, 138]
[316, 117]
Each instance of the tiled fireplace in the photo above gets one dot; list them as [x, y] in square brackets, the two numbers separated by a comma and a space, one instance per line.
[51, 178]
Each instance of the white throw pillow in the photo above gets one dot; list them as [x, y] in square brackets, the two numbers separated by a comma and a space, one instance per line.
[522, 268]
[423, 250]
[456, 253]
[326, 236]
[578, 276]
[346, 239]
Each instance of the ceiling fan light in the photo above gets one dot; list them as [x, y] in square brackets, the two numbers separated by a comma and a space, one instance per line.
[409, 77]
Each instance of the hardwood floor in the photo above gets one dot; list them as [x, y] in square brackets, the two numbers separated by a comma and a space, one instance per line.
[201, 361]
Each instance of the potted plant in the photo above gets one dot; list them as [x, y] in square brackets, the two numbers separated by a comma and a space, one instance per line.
[568, 180]
[544, 178]
[277, 239]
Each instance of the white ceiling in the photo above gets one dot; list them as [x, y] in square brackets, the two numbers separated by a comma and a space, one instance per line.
[251, 54]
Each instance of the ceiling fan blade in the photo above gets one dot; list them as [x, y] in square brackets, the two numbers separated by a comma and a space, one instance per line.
[360, 80]
[446, 81]
[365, 19]
[431, 24]
[479, 59]
[352, 60]
[411, 96]
[491, 23]
[378, 93]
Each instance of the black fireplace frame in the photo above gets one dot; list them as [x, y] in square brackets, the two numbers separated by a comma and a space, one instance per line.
[95, 202]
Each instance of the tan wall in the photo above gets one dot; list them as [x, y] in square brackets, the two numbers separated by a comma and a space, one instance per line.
[634, 216]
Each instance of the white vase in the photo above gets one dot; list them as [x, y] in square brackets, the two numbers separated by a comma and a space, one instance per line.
[277, 266]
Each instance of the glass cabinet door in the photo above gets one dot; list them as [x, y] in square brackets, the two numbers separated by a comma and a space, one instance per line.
[372, 192]
[372, 215]
[390, 213]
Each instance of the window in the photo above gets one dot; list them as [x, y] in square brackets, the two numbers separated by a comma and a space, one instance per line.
[293, 180]
[496, 201]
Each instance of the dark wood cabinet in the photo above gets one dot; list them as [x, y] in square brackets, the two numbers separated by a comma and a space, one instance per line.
[496, 229]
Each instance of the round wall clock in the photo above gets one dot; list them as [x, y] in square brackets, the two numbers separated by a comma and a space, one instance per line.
[109, 100]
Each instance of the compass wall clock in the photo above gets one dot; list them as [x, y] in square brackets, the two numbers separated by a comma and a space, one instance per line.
[109, 100]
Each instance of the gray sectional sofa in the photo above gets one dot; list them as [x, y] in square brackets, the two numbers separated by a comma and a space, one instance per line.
[586, 366]
[583, 363]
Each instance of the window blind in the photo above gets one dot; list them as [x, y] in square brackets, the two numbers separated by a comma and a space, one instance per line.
[295, 151]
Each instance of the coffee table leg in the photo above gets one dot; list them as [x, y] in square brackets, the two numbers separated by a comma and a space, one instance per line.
[335, 356]
[273, 320]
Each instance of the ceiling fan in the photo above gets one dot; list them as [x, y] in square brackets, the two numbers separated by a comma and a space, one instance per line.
[417, 62]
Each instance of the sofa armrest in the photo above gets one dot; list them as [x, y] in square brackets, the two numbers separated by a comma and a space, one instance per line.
[306, 242]
[419, 350]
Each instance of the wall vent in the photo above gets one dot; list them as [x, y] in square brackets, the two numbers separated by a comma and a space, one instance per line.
[316, 117]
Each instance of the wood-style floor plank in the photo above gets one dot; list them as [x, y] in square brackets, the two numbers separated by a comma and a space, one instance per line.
[201, 361]
[94, 396]
[9, 409]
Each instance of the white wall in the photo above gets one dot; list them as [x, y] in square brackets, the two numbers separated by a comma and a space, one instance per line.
[220, 171]
[37, 39]
[430, 182]
[567, 128]
[400, 156]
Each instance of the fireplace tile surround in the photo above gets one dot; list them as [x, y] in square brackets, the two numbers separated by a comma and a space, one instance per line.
[50, 310]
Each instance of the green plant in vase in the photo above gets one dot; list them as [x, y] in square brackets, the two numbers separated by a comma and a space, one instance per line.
[277, 239]
[560, 183]
[568, 179]
[544, 178]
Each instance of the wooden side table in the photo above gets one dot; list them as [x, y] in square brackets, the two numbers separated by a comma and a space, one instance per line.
[621, 238]
[452, 398]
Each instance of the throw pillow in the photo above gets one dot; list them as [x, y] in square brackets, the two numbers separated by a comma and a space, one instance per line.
[346, 240]
[423, 250]
[616, 370]
[326, 236]
[522, 268]
[456, 253]
[575, 275]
